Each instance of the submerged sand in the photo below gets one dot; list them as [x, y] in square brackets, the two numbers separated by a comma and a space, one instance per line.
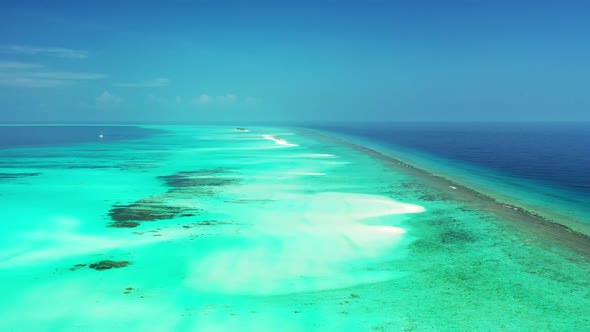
[265, 229]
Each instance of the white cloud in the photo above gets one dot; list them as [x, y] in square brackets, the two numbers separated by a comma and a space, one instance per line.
[59, 52]
[108, 99]
[230, 98]
[164, 101]
[63, 75]
[18, 65]
[202, 100]
[157, 82]
[30, 75]
[24, 82]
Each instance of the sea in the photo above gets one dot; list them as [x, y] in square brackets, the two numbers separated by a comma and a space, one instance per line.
[385, 227]
[544, 167]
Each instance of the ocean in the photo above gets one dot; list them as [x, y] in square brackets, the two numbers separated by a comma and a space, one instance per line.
[553, 153]
[544, 167]
[50, 135]
[211, 228]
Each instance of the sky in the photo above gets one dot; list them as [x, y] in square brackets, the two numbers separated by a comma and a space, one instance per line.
[294, 61]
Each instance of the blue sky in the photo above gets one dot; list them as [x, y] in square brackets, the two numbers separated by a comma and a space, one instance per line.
[205, 61]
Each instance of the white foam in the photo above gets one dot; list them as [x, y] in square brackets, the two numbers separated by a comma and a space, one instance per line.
[315, 155]
[279, 141]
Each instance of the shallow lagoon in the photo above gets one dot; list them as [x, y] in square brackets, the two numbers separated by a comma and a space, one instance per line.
[230, 230]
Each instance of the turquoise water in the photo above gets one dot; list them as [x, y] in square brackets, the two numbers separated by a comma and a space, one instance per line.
[213, 229]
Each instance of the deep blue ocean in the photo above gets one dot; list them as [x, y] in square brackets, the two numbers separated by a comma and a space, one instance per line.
[553, 153]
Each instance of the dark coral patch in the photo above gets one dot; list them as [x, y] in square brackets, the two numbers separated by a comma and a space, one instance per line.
[107, 265]
[431, 197]
[209, 171]
[91, 167]
[456, 237]
[212, 222]
[17, 175]
[77, 266]
[144, 210]
[196, 179]
[183, 186]
[124, 224]
[136, 166]
[249, 201]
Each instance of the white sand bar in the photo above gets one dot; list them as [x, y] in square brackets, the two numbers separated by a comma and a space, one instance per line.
[304, 243]
[279, 141]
